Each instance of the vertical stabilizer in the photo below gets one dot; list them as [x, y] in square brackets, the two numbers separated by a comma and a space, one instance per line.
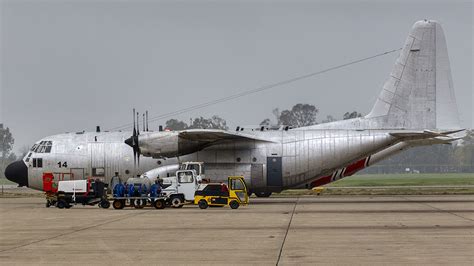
[419, 93]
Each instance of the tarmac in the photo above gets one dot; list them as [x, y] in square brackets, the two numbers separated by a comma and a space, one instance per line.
[352, 230]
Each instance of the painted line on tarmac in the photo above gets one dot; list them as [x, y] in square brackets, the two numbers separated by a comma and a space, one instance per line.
[134, 214]
[287, 229]
[440, 210]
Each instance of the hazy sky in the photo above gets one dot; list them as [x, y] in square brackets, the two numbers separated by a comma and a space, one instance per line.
[71, 65]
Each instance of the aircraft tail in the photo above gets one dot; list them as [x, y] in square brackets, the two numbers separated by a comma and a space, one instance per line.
[419, 93]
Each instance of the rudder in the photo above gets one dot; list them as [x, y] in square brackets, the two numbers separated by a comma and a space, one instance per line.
[419, 93]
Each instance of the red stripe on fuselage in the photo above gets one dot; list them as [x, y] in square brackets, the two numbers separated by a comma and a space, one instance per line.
[355, 167]
[322, 181]
[347, 171]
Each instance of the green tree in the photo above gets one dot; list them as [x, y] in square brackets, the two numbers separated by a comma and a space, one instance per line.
[215, 122]
[350, 115]
[175, 124]
[6, 146]
[329, 119]
[265, 122]
[300, 115]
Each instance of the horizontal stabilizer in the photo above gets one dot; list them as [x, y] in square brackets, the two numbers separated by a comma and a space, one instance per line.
[427, 134]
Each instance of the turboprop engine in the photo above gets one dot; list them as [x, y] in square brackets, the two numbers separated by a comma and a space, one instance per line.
[167, 144]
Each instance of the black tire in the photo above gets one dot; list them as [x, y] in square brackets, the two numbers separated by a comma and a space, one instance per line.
[118, 204]
[105, 204]
[176, 202]
[203, 204]
[234, 204]
[159, 204]
[263, 194]
[138, 205]
[48, 204]
[61, 204]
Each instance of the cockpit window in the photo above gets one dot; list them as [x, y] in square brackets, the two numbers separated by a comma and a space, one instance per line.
[28, 157]
[42, 147]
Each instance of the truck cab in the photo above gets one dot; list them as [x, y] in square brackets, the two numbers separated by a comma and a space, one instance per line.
[182, 188]
[198, 167]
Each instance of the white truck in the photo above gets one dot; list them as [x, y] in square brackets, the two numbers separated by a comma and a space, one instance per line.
[85, 192]
[180, 188]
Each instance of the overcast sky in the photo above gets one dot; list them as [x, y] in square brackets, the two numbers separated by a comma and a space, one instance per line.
[71, 65]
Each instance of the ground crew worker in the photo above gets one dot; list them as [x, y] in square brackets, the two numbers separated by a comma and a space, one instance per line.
[155, 189]
[114, 181]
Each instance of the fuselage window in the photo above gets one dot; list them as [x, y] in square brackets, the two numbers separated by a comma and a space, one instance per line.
[98, 171]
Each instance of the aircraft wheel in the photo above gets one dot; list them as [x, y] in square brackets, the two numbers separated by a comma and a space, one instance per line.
[202, 204]
[48, 204]
[234, 204]
[263, 194]
[61, 204]
[105, 204]
[177, 202]
[159, 204]
[118, 204]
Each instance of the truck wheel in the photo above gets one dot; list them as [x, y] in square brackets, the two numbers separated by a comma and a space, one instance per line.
[234, 204]
[159, 204]
[177, 202]
[118, 204]
[105, 204]
[202, 204]
[61, 204]
[138, 204]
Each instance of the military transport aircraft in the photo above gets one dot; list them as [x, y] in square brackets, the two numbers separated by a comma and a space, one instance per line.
[416, 107]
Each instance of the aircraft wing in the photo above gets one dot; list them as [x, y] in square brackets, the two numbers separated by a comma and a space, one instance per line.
[177, 143]
[214, 135]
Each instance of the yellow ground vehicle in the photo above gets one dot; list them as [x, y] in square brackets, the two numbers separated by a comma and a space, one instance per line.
[233, 194]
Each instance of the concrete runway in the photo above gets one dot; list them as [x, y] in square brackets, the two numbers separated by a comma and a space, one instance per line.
[286, 231]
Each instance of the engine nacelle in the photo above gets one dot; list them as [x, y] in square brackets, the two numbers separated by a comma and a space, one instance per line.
[167, 144]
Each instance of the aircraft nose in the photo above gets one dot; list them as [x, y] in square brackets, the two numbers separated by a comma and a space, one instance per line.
[129, 141]
[17, 172]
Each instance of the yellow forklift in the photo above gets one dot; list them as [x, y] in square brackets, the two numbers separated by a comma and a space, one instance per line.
[233, 194]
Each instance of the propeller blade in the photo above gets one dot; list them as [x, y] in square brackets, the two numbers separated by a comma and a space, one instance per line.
[134, 129]
[138, 123]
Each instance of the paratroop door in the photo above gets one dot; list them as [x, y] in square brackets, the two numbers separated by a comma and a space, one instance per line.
[274, 172]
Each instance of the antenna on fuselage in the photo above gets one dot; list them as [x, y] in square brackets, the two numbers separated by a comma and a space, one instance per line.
[144, 123]
[146, 112]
